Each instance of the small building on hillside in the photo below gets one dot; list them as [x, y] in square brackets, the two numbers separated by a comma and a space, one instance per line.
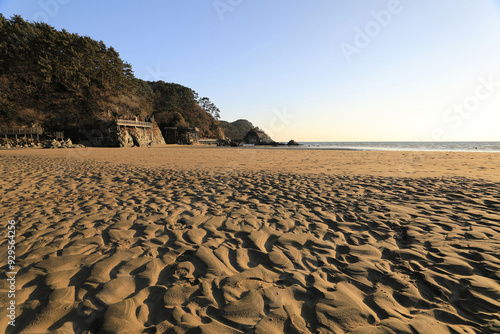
[181, 135]
[257, 137]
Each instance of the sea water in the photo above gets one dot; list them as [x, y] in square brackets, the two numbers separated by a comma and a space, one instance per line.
[406, 146]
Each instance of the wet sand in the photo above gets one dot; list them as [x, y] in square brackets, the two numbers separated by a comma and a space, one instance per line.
[223, 240]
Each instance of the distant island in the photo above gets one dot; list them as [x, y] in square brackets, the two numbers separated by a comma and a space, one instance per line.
[66, 83]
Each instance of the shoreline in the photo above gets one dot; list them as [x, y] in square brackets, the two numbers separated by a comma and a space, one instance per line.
[285, 147]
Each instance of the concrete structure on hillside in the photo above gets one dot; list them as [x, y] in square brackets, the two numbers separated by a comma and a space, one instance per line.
[123, 133]
[145, 127]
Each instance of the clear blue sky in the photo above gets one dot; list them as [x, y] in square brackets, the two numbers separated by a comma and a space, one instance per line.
[319, 70]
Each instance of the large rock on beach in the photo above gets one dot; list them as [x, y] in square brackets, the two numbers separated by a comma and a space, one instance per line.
[54, 143]
[125, 139]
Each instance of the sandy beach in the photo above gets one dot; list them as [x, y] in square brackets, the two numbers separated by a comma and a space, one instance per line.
[241, 240]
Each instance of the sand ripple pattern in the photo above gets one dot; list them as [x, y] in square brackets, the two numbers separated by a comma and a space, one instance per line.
[119, 249]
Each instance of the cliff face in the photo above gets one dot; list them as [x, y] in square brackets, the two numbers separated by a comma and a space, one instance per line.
[128, 137]
[157, 136]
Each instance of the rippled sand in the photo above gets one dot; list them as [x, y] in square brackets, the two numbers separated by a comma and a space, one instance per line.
[194, 240]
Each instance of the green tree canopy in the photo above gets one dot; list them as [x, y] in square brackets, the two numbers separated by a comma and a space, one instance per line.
[65, 81]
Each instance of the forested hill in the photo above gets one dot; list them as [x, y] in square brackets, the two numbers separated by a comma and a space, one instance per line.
[64, 81]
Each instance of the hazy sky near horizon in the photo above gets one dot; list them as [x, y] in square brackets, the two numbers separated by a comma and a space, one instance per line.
[319, 70]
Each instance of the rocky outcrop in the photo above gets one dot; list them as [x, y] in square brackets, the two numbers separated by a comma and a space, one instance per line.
[21, 144]
[61, 144]
[257, 137]
[125, 139]
[157, 135]
[236, 130]
[129, 137]
[140, 137]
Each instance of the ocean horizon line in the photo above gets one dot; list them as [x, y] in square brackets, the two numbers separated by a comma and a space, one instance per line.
[418, 146]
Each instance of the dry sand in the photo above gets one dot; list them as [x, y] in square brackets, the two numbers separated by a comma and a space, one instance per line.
[221, 240]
